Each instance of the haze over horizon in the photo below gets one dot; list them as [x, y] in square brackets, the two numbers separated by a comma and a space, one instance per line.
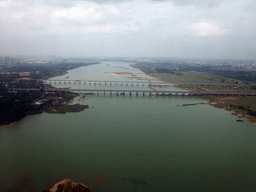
[221, 29]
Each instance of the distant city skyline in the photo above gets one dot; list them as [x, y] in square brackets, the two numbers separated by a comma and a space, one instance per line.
[206, 29]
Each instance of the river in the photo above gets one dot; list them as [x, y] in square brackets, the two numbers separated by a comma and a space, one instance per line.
[130, 144]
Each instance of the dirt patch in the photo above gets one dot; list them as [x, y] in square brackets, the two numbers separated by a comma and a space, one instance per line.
[219, 90]
[227, 98]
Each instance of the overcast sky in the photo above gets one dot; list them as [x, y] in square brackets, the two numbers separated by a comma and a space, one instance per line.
[141, 28]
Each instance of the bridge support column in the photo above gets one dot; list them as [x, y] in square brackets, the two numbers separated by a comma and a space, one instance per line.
[117, 93]
[97, 92]
[130, 93]
[156, 94]
[143, 93]
[137, 94]
[104, 93]
[110, 93]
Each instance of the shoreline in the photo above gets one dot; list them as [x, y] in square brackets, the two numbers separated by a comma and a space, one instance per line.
[242, 113]
[32, 112]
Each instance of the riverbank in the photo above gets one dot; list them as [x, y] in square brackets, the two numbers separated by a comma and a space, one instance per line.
[15, 105]
[243, 107]
[239, 106]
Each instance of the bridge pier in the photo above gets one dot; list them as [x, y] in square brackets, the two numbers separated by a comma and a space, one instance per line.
[110, 93]
[137, 93]
[130, 93]
[117, 93]
[143, 93]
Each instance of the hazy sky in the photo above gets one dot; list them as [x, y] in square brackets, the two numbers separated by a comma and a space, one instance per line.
[141, 28]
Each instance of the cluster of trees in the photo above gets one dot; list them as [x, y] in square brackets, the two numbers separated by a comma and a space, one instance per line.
[15, 106]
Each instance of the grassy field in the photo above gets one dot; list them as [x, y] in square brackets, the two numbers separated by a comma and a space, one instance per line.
[192, 77]
[247, 101]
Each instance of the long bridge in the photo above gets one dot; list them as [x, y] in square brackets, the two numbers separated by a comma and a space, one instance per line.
[137, 92]
[134, 83]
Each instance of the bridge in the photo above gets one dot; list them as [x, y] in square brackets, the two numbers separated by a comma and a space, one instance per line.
[138, 83]
[137, 92]
[98, 82]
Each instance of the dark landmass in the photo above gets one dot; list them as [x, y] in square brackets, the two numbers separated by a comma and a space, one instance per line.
[15, 105]
[190, 104]
[66, 108]
[67, 185]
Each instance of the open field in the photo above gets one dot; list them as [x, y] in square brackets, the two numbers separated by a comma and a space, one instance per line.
[242, 106]
[193, 77]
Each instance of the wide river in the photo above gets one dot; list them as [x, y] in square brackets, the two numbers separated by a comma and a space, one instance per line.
[124, 143]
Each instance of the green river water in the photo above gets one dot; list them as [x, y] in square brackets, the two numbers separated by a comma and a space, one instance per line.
[124, 139]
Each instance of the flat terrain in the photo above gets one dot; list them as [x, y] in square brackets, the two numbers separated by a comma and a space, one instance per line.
[193, 77]
[242, 106]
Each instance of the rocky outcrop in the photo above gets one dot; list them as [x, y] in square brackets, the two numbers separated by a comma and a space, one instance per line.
[67, 185]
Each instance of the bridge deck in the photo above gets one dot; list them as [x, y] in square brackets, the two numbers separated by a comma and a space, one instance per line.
[182, 93]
